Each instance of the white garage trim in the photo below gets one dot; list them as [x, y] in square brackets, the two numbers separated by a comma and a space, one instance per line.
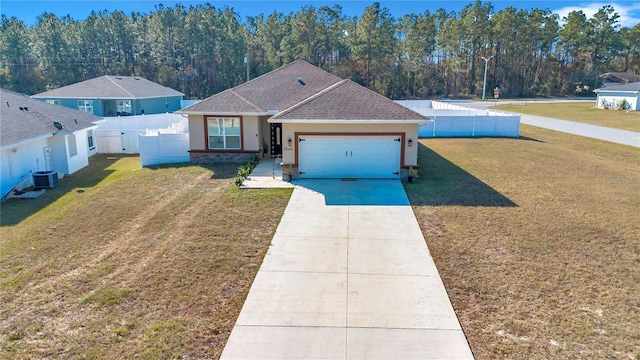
[368, 155]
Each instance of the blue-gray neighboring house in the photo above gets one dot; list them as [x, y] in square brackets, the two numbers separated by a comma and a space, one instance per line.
[115, 96]
[619, 97]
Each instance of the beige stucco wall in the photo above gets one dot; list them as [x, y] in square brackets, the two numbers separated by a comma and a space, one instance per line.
[410, 130]
[250, 133]
[196, 133]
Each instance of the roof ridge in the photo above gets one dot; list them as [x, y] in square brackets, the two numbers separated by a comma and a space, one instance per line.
[312, 97]
[245, 100]
[283, 67]
[118, 85]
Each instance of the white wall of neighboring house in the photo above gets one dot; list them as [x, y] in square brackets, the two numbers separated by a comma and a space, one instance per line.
[612, 100]
[48, 153]
[19, 162]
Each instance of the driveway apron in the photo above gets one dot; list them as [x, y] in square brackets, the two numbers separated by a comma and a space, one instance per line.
[348, 275]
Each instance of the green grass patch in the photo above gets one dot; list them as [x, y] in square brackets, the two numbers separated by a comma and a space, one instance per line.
[583, 112]
[115, 247]
[536, 240]
[106, 295]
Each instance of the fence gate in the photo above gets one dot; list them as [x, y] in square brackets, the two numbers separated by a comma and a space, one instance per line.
[109, 141]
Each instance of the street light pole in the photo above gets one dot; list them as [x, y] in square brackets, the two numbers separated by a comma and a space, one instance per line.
[246, 61]
[484, 86]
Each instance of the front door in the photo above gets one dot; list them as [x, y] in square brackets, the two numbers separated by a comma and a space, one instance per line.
[276, 140]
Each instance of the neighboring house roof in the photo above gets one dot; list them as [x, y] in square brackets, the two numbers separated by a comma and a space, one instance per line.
[347, 100]
[111, 87]
[630, 88]
[620, 77]
[36, 118]
[270, 93]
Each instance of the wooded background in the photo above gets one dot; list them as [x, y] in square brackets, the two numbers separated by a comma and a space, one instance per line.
[200, 50]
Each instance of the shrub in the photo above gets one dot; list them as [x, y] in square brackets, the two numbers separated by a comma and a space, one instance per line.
[623, 105]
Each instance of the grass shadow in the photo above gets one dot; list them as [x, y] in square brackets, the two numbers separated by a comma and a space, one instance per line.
[443, 183]
[13, 211]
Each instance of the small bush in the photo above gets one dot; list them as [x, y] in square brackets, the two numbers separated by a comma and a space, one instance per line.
[623, 105]
[245, 170]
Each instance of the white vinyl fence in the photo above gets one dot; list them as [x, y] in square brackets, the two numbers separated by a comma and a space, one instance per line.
[452, 120]
[159, 148]
[119, 135]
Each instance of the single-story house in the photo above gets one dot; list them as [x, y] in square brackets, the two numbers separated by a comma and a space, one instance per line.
[115, 96]
[320, 125]
[39, 137]
[620, 97]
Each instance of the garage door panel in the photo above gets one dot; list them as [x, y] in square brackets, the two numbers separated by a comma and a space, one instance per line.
[349, 156]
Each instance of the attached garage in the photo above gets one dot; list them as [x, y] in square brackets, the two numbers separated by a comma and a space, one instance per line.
[349, 156]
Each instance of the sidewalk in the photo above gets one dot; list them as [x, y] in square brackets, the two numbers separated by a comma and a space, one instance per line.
[623, 137]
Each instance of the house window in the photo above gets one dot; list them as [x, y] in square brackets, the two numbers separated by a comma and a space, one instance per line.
[86, 106]
[73, 148]
[90, 140]
[123, 106]
[224, 133]
[54, 102]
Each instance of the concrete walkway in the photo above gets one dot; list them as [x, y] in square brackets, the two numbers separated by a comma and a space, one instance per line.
[347, 276]
[267, 174]
[624, 137]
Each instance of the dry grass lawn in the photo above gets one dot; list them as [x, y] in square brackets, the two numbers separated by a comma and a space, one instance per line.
[584, 112]
[122, 262]
[537, 241]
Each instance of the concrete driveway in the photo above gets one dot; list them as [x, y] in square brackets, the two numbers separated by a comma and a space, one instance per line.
[348, 276]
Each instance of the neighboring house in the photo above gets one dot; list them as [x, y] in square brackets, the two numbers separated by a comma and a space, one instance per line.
[115, 96]
[31, 142]
[619, 97]
[320, 125]
[618, 78]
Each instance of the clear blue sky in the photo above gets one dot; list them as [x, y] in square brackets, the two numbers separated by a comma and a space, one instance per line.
[28, 10]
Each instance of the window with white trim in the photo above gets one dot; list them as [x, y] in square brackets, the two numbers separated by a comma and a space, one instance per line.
[73, 147]
[123, 106]
[90, 140]
[86, 106]
[54, 101]
[224, 133]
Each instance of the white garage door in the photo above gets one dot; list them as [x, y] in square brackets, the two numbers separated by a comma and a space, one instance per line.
[373, 157]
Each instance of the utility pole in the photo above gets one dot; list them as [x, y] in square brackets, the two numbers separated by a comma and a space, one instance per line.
[484, 86]
[246, 61]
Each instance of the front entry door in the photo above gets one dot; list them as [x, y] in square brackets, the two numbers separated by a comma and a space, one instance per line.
[276, 140]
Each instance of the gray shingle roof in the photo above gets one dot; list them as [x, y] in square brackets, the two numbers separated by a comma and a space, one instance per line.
[276, 90]
[347, 100]
[620, 77]
[18, 125]
[111, 87]
[630, 87]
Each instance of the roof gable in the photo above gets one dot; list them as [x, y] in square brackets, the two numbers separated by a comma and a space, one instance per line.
[276, 90]
[18, 125]
[347, 100]
[114, 87]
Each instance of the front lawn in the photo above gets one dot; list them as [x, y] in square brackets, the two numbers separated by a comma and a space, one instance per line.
[536, 240]
[123, 262]
[584, 112]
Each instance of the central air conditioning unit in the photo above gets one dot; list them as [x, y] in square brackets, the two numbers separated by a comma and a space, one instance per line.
[45, 179]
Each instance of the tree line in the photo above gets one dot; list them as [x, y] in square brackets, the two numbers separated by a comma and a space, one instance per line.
[201, 50]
